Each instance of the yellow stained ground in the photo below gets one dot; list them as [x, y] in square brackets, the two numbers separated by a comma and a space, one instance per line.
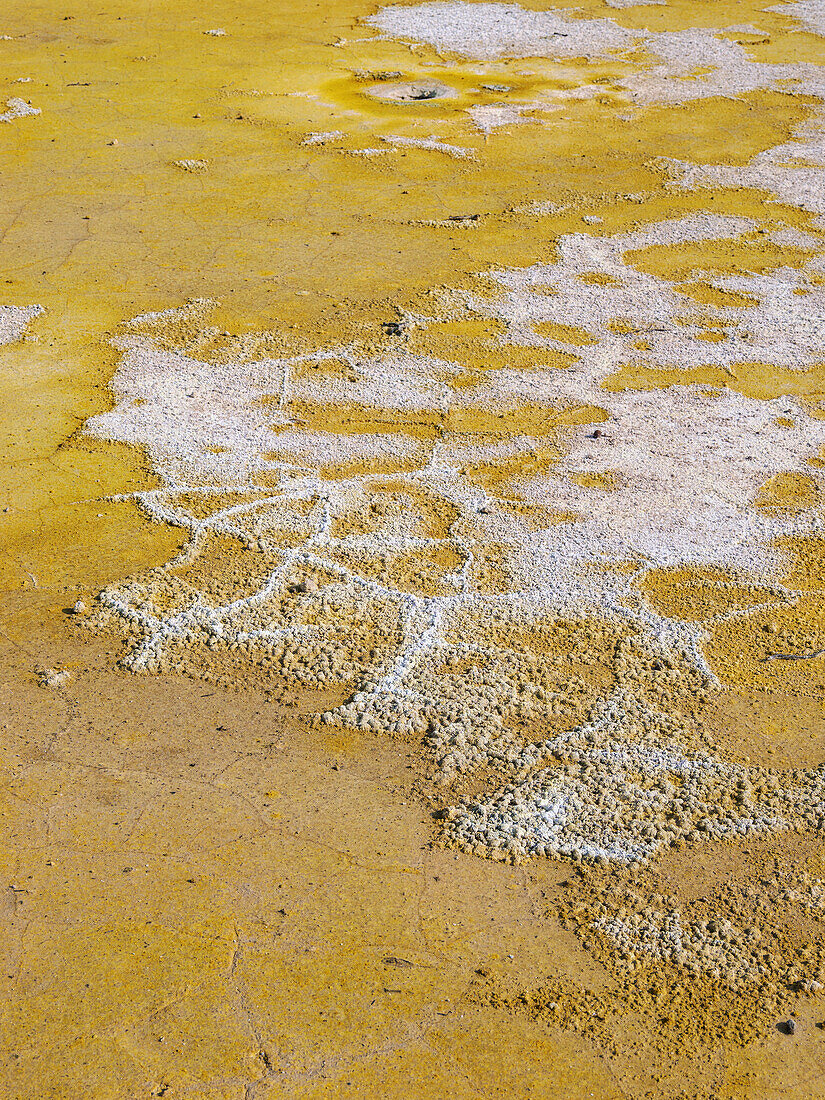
[200, 895]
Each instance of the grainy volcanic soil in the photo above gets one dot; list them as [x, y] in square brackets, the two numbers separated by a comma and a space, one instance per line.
[411, 598]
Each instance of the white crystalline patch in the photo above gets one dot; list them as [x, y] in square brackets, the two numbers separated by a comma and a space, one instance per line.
[18, 108]
[811, 13]
[611, 807]
[14, 321]
[369, 151]
[732, 71]
[223, 422]
[159, 316]
[180, 410]
[487, 31]
[322, 137]
[695, 227]
[783, 327]
[664, 935]
[490, 116]
[795, 238]
[432, 143]
[687, 460]
[793, 170]
[396, 381]
[688, 463]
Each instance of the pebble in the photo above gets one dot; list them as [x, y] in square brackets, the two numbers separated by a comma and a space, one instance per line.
[53, 677]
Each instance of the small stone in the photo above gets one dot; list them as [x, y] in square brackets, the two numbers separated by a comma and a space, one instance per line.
[53, 677]
[790, 1026]
[191, 165]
